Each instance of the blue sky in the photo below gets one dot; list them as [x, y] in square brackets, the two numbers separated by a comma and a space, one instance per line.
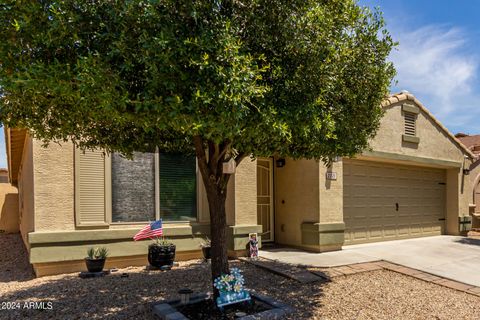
[437, 59]
[438, 56]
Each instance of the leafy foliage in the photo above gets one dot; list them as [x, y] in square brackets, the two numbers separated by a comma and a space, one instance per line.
[222, 78]
[293, 78]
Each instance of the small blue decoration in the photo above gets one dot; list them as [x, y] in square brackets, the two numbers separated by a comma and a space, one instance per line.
[231, 288]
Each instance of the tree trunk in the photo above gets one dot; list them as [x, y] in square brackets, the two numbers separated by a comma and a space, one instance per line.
[218, 231]
[215, 183]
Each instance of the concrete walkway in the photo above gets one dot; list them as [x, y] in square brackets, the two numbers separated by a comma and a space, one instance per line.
[456, 258]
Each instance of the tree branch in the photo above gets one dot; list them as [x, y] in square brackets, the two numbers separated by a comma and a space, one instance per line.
[202, 159]
[225, 147]
[240, 157]
[212, 156]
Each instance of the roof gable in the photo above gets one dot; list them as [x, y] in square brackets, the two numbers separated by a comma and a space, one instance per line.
[400, 98]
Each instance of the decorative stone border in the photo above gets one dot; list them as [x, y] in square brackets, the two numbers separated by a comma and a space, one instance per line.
[166, 310]
[379, 265]
[299, 273]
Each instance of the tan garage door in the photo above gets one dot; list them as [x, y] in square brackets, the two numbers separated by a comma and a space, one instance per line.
[389, 201]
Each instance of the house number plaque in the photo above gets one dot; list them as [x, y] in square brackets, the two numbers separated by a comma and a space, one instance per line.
[331, 175]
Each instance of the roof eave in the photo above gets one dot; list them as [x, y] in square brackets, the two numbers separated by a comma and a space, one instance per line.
[400, 97]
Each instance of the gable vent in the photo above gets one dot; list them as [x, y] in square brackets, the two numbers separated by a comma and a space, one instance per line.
[410, 124]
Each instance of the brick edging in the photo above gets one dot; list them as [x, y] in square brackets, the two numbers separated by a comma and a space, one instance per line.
[385, 265]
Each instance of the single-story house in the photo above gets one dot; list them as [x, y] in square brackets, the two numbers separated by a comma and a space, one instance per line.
[411, 183]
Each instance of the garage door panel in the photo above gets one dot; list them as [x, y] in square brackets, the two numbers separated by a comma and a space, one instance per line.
[371, 192]
[376, 232]
[390, 231]
[358, 234]
[416, 228]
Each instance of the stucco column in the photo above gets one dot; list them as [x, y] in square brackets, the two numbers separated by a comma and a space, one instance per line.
[453, 204]
[241, 207]
[329, 230]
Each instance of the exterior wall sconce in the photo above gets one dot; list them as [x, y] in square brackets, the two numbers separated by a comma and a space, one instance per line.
[280, 163]
[466, 171]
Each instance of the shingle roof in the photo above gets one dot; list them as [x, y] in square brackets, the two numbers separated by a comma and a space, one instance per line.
[406, 96]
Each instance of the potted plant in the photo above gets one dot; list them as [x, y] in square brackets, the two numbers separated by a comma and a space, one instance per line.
[161, 253]
[206, 246]
[95, 259]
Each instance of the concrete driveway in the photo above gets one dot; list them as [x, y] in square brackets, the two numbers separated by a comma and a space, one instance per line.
[452, 257]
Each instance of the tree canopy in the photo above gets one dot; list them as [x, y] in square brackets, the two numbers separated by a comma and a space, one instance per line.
[222, 78]
[297, 78]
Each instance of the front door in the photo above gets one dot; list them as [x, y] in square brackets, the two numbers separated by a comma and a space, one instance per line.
[265, 197]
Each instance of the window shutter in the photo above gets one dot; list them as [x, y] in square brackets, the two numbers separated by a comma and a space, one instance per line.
[178, 187]
[410, 124]
[90, 188]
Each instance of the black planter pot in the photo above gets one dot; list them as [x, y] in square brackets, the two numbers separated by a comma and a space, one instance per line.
[207, 252]
[161, 255]
[94, 265]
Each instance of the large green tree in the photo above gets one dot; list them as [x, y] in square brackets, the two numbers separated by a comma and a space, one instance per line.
[224, 79]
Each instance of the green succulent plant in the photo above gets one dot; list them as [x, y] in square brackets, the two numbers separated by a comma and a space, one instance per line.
[162, 241]
[97, 253]
[206, 243]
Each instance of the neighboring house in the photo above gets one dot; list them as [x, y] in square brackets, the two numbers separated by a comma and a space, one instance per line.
[410, 184]
[8, 204]
[472, 142]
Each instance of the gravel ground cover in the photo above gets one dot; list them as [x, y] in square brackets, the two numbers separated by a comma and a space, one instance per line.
[370, 295]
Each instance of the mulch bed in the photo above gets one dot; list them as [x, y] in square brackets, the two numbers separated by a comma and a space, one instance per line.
[206, 310]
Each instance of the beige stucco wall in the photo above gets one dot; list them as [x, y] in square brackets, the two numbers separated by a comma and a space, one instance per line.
[434, 147]
[54, 192]
[246, 193]
[54, 186]
[474, 180]
[9, 222]
[331, 194]
[230, 201]
[434, 142]
[241, 203]
[26, 192]
[202, 201]
[297, 199]
[465, 190]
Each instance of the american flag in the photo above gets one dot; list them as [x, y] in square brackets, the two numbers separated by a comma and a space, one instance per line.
[151, 230]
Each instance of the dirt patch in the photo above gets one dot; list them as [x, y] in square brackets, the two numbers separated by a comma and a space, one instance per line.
[14, 265]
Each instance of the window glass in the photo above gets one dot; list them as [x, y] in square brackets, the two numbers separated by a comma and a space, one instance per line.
[133, 188]
[178, 187]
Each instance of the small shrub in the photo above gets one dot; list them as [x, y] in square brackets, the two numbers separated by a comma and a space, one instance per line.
[206, 243]
[97, 253]
[163, 242]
